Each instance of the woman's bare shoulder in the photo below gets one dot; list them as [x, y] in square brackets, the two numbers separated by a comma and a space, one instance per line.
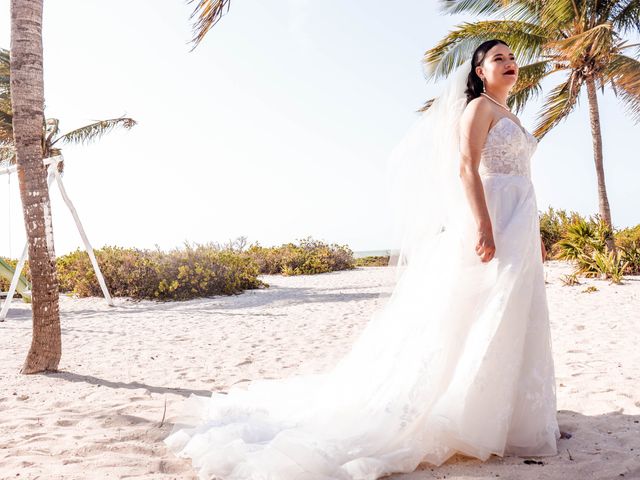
[479, 104]
[477, 110]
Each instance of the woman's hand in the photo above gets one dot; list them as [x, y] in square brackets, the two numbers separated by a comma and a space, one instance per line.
[544, 250]
[485, 248]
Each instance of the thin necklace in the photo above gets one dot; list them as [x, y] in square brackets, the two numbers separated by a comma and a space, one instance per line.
[506, 108]
[496, 102]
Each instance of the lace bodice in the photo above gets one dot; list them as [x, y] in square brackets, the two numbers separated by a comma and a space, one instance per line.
[507, 149]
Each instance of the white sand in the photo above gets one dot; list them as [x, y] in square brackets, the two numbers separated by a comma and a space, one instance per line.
[99, 417]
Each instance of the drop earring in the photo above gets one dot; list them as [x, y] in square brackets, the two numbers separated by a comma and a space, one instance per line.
[484, 89]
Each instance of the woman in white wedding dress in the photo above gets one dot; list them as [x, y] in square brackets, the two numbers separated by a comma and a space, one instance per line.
[458, 360]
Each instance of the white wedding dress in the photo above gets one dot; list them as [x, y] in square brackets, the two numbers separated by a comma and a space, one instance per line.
[457, 360]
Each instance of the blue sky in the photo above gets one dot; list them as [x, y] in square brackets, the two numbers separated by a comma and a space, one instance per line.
[277, 127]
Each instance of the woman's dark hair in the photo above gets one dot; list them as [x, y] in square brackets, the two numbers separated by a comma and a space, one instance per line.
[474, 83]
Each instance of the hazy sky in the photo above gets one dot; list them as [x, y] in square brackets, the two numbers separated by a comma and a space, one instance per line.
[277, 127]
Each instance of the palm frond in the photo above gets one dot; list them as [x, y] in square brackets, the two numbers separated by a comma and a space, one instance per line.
[208, 13]
[4, 84]
[95, 130]
[624, 74]
[7, 153]
[625, 44]
[596, 43]
[522, 10]
[4, 71]
[6, 123]
[518, 100]
[449, 54]
[525, 39]
[426, 106]
[625, 15]
[558, 104]
[564, 14]
[528, 85]
[52, 128]
[4, 62]
[473, 7]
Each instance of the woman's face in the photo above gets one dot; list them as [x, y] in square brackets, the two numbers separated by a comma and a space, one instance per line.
[499, 68]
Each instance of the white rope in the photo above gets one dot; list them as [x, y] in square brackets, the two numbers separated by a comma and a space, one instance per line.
[53, 171]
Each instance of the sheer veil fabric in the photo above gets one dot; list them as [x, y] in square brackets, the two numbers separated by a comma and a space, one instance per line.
[458, 359]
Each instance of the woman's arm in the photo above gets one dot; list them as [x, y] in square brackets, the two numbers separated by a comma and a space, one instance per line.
[474, 126]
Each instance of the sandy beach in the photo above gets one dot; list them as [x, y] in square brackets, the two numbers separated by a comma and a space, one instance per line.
[101, 415]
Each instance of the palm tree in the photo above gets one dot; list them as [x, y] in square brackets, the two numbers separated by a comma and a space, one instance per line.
[27, 105]
[583, 38]
[22, 111]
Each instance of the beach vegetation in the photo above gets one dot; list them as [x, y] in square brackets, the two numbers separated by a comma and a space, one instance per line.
[180, 274]
[307, 257]
[196, 270]
[372, 261]
[628, 236]
[631, 256]
[13, 262]
[585, 242]
[570, 280]
[554, 224]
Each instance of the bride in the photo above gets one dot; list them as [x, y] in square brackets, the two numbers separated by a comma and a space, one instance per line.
[459, 358]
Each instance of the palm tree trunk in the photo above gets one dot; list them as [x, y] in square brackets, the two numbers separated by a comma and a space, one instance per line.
[596, 135]
[27, 101]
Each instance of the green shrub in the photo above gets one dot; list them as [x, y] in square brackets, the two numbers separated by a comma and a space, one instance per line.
[127, 271]
[4, 282]
[180, 274]
[631, 256]
[204, 271]
[554, 224]
[570, 236]
[585, 243]
[309, 257]
[582, 236]
[372, 261]
[195, 270]
[608, 264]
[627, 236]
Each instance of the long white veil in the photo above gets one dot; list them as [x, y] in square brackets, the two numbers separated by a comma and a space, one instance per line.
[425, 191]
[392, 400]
